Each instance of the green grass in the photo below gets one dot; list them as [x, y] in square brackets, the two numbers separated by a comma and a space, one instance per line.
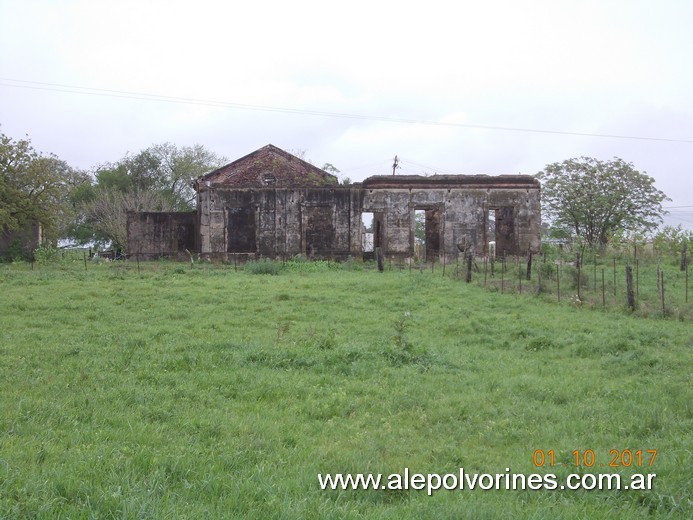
[211, 393]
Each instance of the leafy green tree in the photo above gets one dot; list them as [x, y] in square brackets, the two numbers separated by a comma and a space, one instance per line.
[597, 199]
[35, 188]
[178, 167]
[670, 240]
[158, 178]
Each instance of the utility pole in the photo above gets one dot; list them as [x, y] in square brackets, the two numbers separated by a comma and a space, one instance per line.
[395, 165]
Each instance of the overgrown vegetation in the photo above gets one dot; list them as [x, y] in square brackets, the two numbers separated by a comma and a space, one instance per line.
[213, 393]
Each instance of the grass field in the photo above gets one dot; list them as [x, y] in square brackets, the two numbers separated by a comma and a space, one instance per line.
[211, 393]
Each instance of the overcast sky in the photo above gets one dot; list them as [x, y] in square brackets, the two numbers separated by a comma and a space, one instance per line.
[449, 86]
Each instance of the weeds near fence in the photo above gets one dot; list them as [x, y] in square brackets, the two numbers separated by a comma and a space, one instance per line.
[597, 279]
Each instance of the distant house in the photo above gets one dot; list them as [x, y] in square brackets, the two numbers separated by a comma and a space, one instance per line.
[270, 203]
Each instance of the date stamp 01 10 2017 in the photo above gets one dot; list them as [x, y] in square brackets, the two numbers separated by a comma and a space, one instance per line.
[587, 458]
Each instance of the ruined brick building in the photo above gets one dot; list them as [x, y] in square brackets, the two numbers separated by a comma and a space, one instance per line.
[273, 204]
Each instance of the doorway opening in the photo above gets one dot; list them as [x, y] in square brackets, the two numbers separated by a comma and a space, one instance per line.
[491, 232]
[367, 233]
[426, 233]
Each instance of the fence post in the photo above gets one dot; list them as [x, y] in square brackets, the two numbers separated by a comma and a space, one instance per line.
[503, 275]
[529, 265]
[629, 288]
[468, 277]
[684, 260]
[603, 290]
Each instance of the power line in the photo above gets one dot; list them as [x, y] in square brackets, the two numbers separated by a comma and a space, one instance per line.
[75, 89]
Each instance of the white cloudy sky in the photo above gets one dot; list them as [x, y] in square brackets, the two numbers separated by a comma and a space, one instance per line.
[90, 80]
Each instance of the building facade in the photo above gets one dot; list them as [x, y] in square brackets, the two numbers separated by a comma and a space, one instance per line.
[273, 204]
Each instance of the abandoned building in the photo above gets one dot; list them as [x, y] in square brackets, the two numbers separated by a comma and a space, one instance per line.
[273, 204]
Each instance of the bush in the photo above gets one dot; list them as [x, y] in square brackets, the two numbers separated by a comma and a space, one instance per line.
[263, 266]
[301, 265]
[547, 271]
[574, 273]
[14, 253]
[46, 254]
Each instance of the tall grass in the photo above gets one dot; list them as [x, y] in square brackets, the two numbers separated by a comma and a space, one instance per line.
[211, 393]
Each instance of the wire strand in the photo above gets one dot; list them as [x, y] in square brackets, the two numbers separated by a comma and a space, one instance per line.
[75, 89]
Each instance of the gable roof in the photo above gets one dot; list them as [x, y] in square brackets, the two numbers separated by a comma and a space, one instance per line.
[268, 167]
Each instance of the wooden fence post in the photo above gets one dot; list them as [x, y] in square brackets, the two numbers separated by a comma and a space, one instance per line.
[629, 288]
[684, 260]
[603, 290]
[379, 256]
[468, 277]
[502, 275]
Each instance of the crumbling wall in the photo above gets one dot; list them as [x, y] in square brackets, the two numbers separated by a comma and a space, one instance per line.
[456, 213]
[157, 235]
[325, 222]
[316, 222]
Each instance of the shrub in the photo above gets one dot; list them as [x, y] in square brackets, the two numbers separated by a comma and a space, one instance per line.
[14, 252]
[577, 276]
[263, 266]
[301, 265]
[46, 254]
[547, 271]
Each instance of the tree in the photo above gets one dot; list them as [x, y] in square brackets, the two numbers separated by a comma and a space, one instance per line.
[671, 240]
[107, 211]
[34, 188]
[158, 178]
[178, 167]
[163, 168]
[597, 199]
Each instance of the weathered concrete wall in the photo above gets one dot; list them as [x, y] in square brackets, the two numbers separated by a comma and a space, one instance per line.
[326, 222]
[317, 222]
[155, 235]
[456, 209]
